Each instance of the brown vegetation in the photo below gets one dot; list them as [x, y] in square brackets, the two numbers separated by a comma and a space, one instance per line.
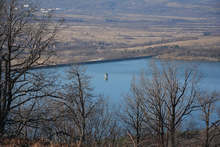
[136, 35]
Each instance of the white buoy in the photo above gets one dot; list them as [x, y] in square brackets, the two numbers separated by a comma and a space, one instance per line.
[106, 76]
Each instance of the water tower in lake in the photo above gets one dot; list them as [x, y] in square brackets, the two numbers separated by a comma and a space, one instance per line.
[106, 76]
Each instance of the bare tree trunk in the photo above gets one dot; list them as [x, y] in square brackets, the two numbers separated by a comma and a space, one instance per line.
[172, 134]
[81, 96]
[138, 135]
[207, 134]
[207, 117]
[172, 127]
[162, 141]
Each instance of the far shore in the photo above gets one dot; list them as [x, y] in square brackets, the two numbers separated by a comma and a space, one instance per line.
[93, 62]
[97, 61]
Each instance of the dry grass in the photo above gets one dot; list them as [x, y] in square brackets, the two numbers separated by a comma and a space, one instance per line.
[133, 32]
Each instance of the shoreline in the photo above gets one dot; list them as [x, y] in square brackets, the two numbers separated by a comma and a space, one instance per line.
[93, 62]
[120, 59]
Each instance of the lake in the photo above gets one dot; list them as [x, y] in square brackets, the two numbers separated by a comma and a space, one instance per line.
[120, 74]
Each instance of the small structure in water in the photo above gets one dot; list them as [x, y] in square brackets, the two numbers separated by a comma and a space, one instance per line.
[106, 76]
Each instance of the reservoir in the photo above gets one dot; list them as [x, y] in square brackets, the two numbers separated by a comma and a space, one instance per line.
[120, 74]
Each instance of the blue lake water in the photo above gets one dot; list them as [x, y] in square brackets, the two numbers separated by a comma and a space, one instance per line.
[121, 73]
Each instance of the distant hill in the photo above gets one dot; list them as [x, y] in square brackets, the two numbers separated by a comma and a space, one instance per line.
[163, 7]
[116, 29]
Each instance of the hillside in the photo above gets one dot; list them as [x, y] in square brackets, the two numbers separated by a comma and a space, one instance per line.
[98, 29]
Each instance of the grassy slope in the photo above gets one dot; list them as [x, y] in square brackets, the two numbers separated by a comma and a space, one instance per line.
[96, 30]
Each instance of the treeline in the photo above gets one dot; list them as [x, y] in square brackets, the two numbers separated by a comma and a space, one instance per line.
[36, 107]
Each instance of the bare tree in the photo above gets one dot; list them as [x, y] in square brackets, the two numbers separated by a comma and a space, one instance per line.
[133, 114]
[102, 124]
[169, 97]
[207, 106]
[78, 102]
[180, 96]
[154, 103]
[25, 42]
